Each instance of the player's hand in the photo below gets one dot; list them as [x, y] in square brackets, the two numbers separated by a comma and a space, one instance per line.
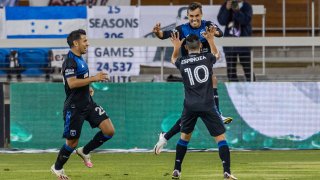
[91, 91]
[101, 76]
[157, 29]
[209, 33]
[175, 40]
[214, 28]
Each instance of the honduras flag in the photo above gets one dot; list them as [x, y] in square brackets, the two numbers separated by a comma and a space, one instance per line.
[44, 22]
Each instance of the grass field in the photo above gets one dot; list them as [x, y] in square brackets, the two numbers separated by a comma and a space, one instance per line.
[246, 165]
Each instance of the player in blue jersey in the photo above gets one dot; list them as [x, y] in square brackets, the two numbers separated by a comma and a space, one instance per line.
[195, 26]
[196, 71]
[79, 105]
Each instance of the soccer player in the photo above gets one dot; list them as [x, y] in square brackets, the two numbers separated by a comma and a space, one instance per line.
[195, 26]
[79, 105]
[196, 70]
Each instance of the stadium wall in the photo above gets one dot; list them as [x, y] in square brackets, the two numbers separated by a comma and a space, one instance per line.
[266, 115]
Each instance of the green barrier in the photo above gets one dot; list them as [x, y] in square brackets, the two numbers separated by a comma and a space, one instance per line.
[139, 111]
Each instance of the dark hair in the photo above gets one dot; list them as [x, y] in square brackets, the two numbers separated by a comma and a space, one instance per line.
[195, 5]
[75, 35]
[193, 42]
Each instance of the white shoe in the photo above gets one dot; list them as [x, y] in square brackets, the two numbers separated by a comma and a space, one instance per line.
[59, 173]
[226, 120]
[84, 157]
[176, 174]
[228, 176]
[160, 144]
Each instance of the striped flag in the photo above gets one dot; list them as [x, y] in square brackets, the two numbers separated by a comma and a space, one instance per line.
[44, 22]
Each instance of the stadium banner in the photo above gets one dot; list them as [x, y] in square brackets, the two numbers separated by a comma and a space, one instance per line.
[114, 22]
[117, 61]
[58, 56]
[78, 2]
[44, 22]
[2, 24]
[170, 17]
[279, 115]
[136, 22]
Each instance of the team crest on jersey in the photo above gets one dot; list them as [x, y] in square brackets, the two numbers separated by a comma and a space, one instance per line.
[73, 132]
[202, 31]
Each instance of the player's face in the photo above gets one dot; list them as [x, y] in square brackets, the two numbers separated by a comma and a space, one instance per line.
[83, 44]
[195, 18]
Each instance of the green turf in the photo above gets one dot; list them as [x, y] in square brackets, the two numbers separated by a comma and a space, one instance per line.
[269, 165]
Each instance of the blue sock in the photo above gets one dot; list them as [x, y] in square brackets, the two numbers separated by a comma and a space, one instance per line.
[96, 142]
[224, 154]
[181, 151]
[63, 156]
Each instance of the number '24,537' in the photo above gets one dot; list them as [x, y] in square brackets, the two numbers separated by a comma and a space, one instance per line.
[114, 66]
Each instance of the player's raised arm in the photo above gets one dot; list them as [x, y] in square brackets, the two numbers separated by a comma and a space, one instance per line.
[209, 35]
[157, 31]
[176, 46]
[164, 34]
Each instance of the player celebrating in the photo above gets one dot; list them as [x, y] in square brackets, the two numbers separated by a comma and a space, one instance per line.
[195, 26]
[79, 105]
[196, 70]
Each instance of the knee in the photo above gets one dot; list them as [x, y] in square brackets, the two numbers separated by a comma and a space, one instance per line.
[219, 138]
[109, 132]
[73, 143]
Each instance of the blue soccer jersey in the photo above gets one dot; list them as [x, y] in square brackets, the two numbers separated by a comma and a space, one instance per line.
[75, 66]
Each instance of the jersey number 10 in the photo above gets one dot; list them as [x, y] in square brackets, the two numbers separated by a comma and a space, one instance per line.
[195, 75]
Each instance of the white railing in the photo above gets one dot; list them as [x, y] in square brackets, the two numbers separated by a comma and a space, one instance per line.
[154, 42]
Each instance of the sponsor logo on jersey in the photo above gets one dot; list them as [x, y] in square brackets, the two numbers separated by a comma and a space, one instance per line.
[68, 72]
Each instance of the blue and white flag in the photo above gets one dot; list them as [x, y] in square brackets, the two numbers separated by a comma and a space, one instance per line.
[44, 22]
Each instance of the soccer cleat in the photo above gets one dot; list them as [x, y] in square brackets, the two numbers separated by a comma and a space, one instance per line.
[85, 157]
[59, 173]
[226, 120]
[176, 174]
[160, 144]
[228, 176]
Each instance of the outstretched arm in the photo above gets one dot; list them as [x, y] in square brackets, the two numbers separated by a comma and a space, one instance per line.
[157, 31]
[164, 34]
[176, 46]
[209, 35]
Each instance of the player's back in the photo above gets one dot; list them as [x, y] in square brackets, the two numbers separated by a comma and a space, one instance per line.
[196, 72]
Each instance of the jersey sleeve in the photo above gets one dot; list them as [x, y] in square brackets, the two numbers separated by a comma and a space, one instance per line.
[70, 69]
[167, 34]
[209, 23]
[178, 63]
[211, 57]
